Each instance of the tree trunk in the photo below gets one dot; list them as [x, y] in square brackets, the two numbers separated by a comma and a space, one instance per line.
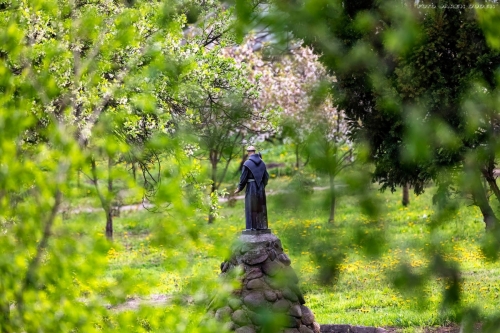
[4, 314]
[489, 218]
[109, 215]
[243, 160]
[213, 160]
[333, 202]
[492, 183]
[406, 195]
[211, 215]
[109, 225]
[479, 193]
[78, 175]
[494, 187]
[134, 171]
[307, 160]
[297, 160]
[4, 319]
[105, 202]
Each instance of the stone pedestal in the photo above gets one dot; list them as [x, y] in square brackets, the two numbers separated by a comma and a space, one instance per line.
[269, 294]
[256, 232]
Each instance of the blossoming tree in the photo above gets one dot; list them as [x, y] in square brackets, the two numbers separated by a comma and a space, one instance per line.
[296, 89]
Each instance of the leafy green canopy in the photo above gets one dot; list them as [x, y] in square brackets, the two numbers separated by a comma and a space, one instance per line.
[81, 81]
[418, 83]
[410, 78]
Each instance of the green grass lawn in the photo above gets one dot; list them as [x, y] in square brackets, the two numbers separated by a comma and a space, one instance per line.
[153, 249]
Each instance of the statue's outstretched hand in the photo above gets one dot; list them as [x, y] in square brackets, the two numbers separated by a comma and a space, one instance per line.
[236, 191]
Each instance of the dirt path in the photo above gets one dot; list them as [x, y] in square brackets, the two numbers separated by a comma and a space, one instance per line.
[125, 208]
[147, 205]
[135, 302]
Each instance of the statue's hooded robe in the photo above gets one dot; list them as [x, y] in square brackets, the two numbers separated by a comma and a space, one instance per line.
[254, 175]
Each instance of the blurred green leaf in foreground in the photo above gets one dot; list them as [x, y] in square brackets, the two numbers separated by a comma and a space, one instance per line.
[418, 84]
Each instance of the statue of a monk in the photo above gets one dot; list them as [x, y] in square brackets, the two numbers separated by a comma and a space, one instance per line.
[254, 176]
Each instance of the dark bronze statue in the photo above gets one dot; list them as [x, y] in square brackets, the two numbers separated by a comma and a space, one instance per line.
[254, 176]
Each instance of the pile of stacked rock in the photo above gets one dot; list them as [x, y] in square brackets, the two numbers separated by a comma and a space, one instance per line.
[269, 289]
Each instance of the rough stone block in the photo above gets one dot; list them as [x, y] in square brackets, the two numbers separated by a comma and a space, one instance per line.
[254, 273]
[270, 295]
[222, 313]
[350, 329]
[307, 315]
[224, 266]
[362, 329]
[255, 300]
[277, 245]
[259, 240]
[255, 257]
[272, 255]
[245, 329]
[272, 268]
[289, 294]
[291, 330]
[305, 329]
[257, 284]
[235, 303]
[275, 283]
[295, 311]
[291, 275]
[284, 259]
[257, 318]
[245, 248]
[292, 322]
[281, 306]
[240, 317]
[335, 328]
[297, 292]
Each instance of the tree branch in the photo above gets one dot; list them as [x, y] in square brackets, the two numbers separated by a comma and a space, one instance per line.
[35, 262]
[102, 199]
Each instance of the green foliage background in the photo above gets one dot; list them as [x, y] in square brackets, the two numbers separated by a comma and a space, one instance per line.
[90, 88]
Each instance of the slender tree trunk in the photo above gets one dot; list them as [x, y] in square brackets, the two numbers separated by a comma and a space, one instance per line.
[297, 160]
[211, 215]
[307, 160]
[78, 175]
[4, 313]
[494, 187]
[4, 319]
[481, 200]
[109, 215]
[213, 160]
[134, 171]
[489, 218]
[109, 225]
[406, 195]
[492, 183]
[105, 202]
[243, 159]
[333, 202]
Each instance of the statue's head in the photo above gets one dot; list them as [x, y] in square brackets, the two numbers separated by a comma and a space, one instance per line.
[250, 150]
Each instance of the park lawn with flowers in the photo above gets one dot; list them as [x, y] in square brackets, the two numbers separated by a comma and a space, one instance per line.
[153, 249]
